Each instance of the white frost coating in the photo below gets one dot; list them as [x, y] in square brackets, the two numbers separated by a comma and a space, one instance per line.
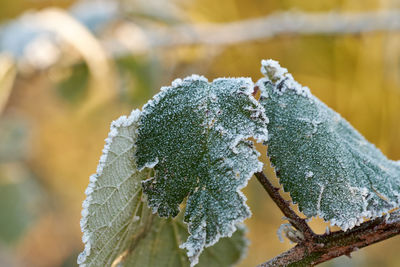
[319, 199]
[149, 165]
[282, 78]
[195, 77]
[272, 69]
[309, 174]
[177, 82]
[218, 102]
[86, 237]
[282, 230]
[327, 230]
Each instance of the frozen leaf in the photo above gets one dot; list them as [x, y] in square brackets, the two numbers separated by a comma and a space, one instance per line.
[160, 247]
[194, 134]
[329, 169]
[113, 210]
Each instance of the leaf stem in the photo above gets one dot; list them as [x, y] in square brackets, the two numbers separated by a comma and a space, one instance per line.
[294, 219]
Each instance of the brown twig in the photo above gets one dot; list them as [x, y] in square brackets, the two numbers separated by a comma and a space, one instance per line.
[297, 222]
[315, 249]
[336, 244]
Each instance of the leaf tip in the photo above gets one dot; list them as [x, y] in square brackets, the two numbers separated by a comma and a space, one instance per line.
[282, 79]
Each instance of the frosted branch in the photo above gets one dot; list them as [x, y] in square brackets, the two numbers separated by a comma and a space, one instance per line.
[331, 245]
[297, 222]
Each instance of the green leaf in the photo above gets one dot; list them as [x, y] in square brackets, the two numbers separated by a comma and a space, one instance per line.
[194, 135]
[329, 168]
[118, 227]
[160, 247]
[113, 210]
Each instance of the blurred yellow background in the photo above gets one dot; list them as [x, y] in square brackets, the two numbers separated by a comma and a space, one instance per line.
[67, 72]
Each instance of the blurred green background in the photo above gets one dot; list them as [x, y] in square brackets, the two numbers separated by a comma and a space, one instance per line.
[67, 69]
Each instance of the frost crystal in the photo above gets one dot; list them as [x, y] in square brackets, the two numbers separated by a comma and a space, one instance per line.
[113, 197]
[329, 169]
[194, 135]
[281, 79]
